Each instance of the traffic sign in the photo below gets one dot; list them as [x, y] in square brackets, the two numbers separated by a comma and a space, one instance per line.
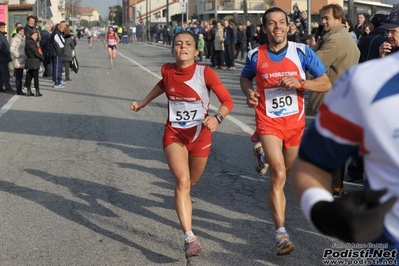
[183, 7]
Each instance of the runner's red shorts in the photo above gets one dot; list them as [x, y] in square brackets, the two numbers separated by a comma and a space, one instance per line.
[200, 147]
[291, 137]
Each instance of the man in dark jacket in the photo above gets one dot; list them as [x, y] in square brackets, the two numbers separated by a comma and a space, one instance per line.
[261, 37]
[45, 45]
[240, 44]
[229, 41]
[30, 25]
[369, 44]
[250, 34]
[5, 58]
[57, 45]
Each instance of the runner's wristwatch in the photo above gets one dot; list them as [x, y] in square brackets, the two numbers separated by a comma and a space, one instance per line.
[302, 82]
[219, 117]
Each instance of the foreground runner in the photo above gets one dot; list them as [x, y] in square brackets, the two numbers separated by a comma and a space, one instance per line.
[350, 121]
[279, 69]
[111, 41]
[188, 132]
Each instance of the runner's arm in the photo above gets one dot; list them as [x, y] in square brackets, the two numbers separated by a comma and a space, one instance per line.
[319, 84]
[213, 83]
[154, 93]
[105, 41]
[249, 92]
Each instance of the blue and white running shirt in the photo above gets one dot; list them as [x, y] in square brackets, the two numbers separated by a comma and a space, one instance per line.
[361, 115]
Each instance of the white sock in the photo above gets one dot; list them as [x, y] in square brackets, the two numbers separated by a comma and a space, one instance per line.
[263, 158]
[188, 235]
[280, 230]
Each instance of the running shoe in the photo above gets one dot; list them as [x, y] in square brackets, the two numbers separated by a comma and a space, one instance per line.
[192, 247]
[284, 245]
[260, 167]
[348, 178]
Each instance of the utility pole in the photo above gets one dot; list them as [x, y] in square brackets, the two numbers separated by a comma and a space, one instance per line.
[215, 9]
[135, 13]
[309, 29]
[146, 19]
[167, 13]
[351, 10]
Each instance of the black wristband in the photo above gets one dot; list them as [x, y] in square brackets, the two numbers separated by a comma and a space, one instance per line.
[219, 117]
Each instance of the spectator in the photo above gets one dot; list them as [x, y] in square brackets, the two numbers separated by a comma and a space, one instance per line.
[170, 34]
[301, 32]
[296, 14]
[57, 46]
[14, 32]
[250, 34]
[5, 58]
[213, 37]
[17, 49]
[30, 25]
[165, 35]
[367, 28]
[392, 31]
[361, 18]
[260, 35]
[349, 27]
[369, 45]
[45, 45]
[32, 64]
[293, 33]
[134, 34]
[219, 46]
[233, 25]
[39, 26]
[70, 44]
[229, 42]
[125, 36]
[304, 22]
[201, 47]
[208, 40]
[194, 29]
[241, 40]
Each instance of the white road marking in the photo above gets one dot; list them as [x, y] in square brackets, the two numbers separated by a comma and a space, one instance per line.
[8, 105]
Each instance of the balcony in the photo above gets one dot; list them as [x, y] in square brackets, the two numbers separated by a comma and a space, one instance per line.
[237, 5]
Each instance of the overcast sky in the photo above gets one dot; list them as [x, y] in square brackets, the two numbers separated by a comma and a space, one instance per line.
[101, 5]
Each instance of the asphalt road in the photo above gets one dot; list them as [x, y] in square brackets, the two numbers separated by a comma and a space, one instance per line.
[84, 181]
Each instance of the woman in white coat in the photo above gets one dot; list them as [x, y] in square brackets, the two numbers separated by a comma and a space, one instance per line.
[17, 49]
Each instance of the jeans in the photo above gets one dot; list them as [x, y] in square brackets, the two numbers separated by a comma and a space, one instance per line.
[125, 40]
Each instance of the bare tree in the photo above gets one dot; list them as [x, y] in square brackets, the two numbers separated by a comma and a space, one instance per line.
[72, 8]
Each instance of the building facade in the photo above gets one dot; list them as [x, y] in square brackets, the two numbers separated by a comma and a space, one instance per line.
[156, 10]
